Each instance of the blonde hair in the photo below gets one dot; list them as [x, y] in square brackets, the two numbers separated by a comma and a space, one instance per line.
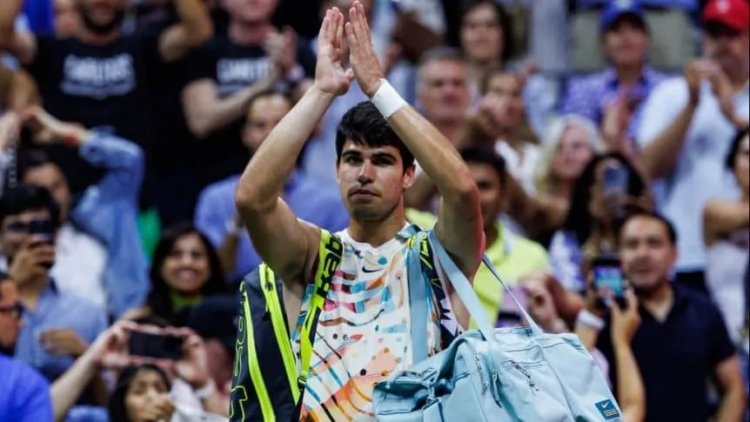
[543, 178]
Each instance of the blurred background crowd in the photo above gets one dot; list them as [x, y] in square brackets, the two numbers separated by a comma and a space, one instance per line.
[598, 131]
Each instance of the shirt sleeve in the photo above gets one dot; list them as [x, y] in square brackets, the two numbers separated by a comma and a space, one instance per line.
[32, 398]
[201, 63]
[721, 344]
[208, 219]
[579, 99]
[662, 106]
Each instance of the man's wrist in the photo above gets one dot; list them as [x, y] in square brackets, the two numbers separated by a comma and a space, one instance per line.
[587, 319]
[387, 100]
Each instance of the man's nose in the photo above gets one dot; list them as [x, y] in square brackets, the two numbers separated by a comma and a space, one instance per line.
[365, 172]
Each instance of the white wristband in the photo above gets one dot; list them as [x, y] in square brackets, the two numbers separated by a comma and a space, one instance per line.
[587, 319]
[387, 100]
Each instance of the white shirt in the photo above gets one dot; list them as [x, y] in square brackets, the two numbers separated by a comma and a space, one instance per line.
[699, 174]
[520, 166]
[79, 264]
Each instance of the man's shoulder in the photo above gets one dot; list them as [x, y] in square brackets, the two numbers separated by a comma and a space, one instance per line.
[701, 303]
[15, 370]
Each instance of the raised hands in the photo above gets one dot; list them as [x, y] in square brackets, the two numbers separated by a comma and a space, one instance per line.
[362, 57]
[330, 75]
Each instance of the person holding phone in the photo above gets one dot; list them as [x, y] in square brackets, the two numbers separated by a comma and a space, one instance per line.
[682, 340]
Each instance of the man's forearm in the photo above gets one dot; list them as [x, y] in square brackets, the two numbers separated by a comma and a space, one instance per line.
[264, 177]
[66, 389]
[629, 383]
[196, 21]
[732, 407]
[660, 156]
[23, 92]
[9, 10]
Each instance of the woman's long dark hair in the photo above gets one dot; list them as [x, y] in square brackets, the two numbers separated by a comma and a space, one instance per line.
[506, 25]
[159, 297]
[116, 407]
[579, 219]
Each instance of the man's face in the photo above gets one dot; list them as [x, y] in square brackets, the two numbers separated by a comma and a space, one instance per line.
[67, 18]
[626, 42]
[251, 11]
[264, 114]
[102, 15]
[372, 180]
[727, 46]
[10, 318]
[14, 229]
[443, 92]
[646, 253]
[490, 191]
[507, 89]
[50, 177]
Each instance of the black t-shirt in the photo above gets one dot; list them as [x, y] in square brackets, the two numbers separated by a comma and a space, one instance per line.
[232, 67]
[676, 357]
[98, 86]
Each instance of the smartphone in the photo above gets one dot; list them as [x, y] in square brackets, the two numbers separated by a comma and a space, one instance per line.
[45, 230]
[155, 345]
[616, 180]
[608, 275]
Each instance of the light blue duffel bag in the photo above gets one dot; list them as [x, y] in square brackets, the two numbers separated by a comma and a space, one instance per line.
[519, 374]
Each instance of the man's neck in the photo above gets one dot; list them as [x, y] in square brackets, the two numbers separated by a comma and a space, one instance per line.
[244, 33]
[376, 233]
[659, 301]
[30, 291]
[451, 129]
[629, 75]
[89, 37]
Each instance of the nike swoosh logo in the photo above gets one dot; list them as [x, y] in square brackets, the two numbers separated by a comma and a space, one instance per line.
[365, 270]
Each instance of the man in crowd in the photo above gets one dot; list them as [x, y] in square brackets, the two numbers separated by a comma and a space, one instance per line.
[682, 340]
[216, 213]
[688, 125]
[24, 394]
[612, 98]
[375, 143]
[59, 325]
[99, 76]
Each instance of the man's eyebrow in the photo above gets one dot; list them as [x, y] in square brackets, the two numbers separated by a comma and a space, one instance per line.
[384, 154]
[351, 152]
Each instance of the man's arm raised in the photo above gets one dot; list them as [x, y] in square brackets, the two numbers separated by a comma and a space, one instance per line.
[459, 226]
[286, 244]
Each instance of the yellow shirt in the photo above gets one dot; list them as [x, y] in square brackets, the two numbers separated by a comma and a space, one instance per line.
[513, 256]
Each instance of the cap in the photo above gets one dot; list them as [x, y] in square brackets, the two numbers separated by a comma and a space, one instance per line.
[616, 8]
[214, 318]
[732, 13]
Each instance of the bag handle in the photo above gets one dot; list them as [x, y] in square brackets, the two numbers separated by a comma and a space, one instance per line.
[465, 291]
[417, 301]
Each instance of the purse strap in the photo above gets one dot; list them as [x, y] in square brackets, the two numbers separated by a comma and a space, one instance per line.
[465, 291]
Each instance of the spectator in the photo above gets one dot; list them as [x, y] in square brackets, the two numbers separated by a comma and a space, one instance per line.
[184, 271]
[141, 394]
[613, 97]
[607, 187]
[682, 340]
[24, 394]
[59, 325]
[687, 127]
[99, 76]
[216, 214]
[726, 228]
[226, 74]
[67, 18]
[98, 249]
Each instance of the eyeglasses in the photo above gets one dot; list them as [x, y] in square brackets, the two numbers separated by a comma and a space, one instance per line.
[15, 310]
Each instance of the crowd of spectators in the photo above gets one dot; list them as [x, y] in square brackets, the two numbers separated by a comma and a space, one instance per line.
[125, 125]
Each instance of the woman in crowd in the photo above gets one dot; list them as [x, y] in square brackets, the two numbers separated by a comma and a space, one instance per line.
[185, 270]
[726, 227]
[608, 186]
[141, 395]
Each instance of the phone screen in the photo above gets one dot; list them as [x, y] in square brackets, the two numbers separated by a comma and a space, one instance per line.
[608, 275]
[155, 345]
[616, 180]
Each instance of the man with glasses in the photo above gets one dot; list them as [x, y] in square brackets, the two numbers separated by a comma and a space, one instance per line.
[24, 394]
[688, 125]
[59, 325]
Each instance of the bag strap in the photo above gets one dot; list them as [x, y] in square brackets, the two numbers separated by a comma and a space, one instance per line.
[465, 291]
[329, 259]
[417, 299]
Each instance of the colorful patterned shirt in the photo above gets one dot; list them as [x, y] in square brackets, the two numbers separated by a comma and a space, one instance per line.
[363, 332]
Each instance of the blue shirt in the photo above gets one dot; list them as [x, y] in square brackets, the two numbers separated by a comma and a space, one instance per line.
[24, 394]
[57, 309]
[590, 95]
[305, 196]
[687, 5]
[108, 211]
[676, 356]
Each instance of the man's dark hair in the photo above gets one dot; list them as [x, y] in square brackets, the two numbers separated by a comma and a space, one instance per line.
[506, 25]
[474, 155]
[643, 213]
[732, 154]
[27, 198]
[364, 125]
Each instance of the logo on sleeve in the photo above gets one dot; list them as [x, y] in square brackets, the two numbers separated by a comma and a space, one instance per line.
[608, 409]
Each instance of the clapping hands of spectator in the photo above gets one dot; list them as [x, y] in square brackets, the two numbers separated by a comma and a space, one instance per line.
[625, 322]
[365, 64]
[63, 342]
[330, 76]
[615, 123]
[281, 47]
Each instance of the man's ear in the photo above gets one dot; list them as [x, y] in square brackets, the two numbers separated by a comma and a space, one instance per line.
[410, 175]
